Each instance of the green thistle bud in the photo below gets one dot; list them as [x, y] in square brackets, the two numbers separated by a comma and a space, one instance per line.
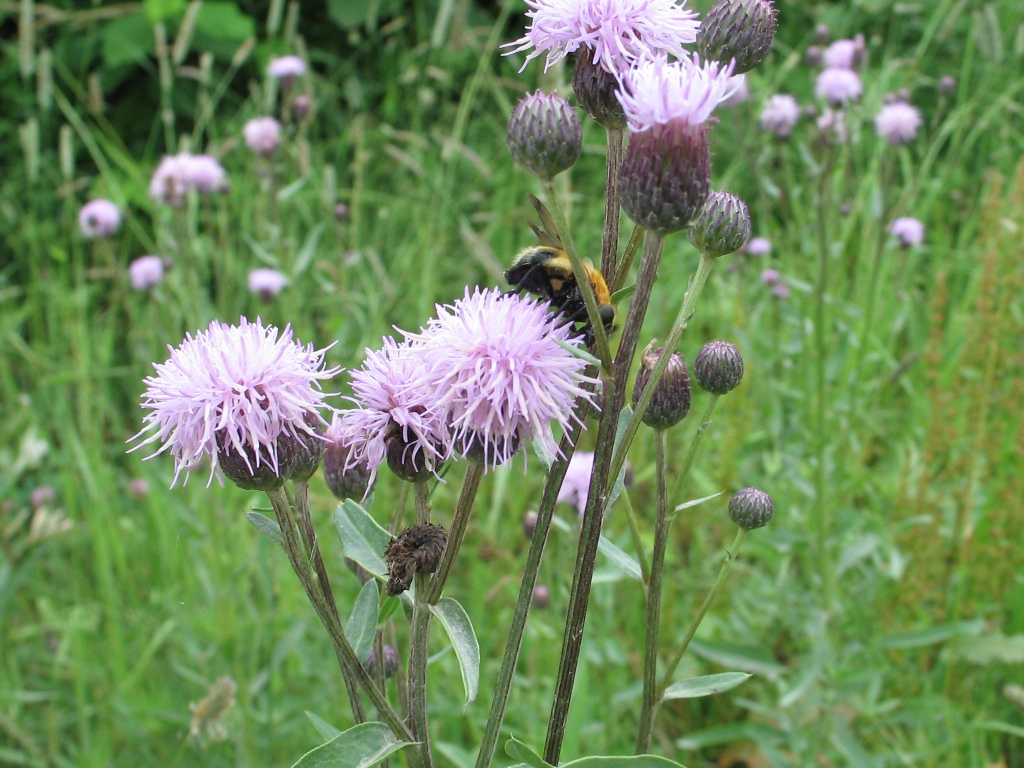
[309, 450]
[545, 136]
[595, 90]
[670, 401]
[751, 508]
[718, 367]
[723, 226]
[738, 29]
[666, 176]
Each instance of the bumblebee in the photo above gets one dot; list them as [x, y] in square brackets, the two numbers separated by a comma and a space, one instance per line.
[545, 270]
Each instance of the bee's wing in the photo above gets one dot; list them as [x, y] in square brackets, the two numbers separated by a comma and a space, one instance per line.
[547, 232]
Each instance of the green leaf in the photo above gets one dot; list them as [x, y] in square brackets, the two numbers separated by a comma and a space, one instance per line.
[362, 624]
[745, 657]
[623, 293]
[291, 189]
[127, 40]
[362, 746]
[695, 502]
[266, 526]
[546, 459]
[308, 250]
[620, 431]
[224, 21]
[456, 623]
[362, 538]
[164, 10]
[349, 14]
[707, 685]
[995, 648]
[633, 761]
[620, 559]
[517, 750]
[932, 635]
[325, 729]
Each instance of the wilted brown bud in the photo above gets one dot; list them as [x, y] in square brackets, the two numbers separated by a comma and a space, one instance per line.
[417, 549]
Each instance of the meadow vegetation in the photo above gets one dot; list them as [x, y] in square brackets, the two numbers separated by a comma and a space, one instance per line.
[880, 612]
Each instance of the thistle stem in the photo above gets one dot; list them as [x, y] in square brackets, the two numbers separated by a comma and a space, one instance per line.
[419, 643]
[730, 555]
[638, 543]
[593, 517]
[343, 648]
[610, 241]
[460, 520]
[636, 239]
[697, 281]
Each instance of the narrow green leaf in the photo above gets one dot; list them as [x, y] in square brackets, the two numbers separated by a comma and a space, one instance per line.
[266, 526]
[307, 251]
[932, 635]
[744, 657]
[362, 624]
[325, 729]
[361, 746]
[695, 502]
[707, 685]
[362, 538]
[620, 559]
[291, 189]
[623, 293]
[546, 459]
[577, 351]
[633, 761]
[517, 750]
[456, 623]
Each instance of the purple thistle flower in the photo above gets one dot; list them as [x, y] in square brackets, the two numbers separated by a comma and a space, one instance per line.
[832, 124]
[844, 54]
[576, 484]
[897, 123]
[909, 231]
[770, 277]
[286, 68]
[266, 283]
[759, 246]
[619, 32]
[780, 114]
[262, 135]
[780, 290]
[146, 272]
[838, 86]
[236, 388]
[178, 174]
[395, 401]
[99, 218]
[659, 92]
[497, 366]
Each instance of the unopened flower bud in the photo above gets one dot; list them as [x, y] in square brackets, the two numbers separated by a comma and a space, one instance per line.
[813, 56]
[751, 508]
[718, 367]
[300, 107]
[345, 481]
[541, 596]
[530, 523]
[822, 34]
[595, 90]
[670, 401]
[392, 661]
[723, 226]
[242, 468]
[946, 85]
[545, 136]
[417, 549]
[738, 29]
[341, 212]
[308, 448]
[138, 488]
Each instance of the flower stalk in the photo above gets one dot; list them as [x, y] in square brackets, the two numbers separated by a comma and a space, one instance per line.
[460, 520]
[419, 643]
[610, 240]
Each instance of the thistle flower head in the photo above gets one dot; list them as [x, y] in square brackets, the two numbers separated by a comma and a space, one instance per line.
[234, 391]
[898, 122]
[751, 508]
[178, 174]
[344, 479]
[738, 30]
[659, 92]
[398, 414]
[496, 365]
[544, 135]
[946, 85]
[576, 484]
[670, 401]
[286, 68]
[99, 218]
[770, 277]
[844, 54]
[262, 135]
[620, 32]
[781, 112]
[759, 246]
[718, 368]
[266, 283]
[146, 272]
[723, 225]
[838, 86]
[909, 231]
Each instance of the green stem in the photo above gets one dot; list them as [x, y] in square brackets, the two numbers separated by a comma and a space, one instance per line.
[593, 517]
[636, 239]
[691, 452]
[610, 241]
[419, 643]
[638, 543]
[460, 520]
[343, 648]
[653, 619]
[697, 281]
[580, 273]
[730, 555]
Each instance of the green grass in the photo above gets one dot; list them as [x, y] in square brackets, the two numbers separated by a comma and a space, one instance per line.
[858, 608]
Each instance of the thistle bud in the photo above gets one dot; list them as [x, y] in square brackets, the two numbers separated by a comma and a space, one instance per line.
[822, 34]
[723, 227]
[300, 106]
[545, 136]
[595, 90]
[252, 474]
[418, 549]
[813, 56]
[530, 523]
[541, 596]
[341, 212]
[718, 367]
[308, 448]
[738, 29]
[392, 661]
[345, 480]
[946, 85]
[751, 508]
[670, 401]
[404, 459]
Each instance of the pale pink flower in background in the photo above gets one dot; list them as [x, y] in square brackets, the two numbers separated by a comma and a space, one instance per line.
[146, 272]
[42, 496]
[832, 124]
[781, 112]
[266, 283]
[497, 365]
[770, 276]
[286, 68]
[759, 246]
[909, 231]
[844, 54]
[740, 91]
[262, 135]
[237, 387]
[898, 122]
[838, 86]
[780, 290]
[620, 32]
[178, 174]
[659, 92]
[99, 218]
[576, 484]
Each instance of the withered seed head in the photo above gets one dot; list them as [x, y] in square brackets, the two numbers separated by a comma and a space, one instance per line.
[417, 549]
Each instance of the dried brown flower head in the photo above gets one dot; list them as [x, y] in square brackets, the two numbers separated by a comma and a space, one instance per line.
[417, 549]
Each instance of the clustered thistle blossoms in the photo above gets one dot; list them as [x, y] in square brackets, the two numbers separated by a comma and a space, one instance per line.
[99, 218]
[235, 393]
[179, 174]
